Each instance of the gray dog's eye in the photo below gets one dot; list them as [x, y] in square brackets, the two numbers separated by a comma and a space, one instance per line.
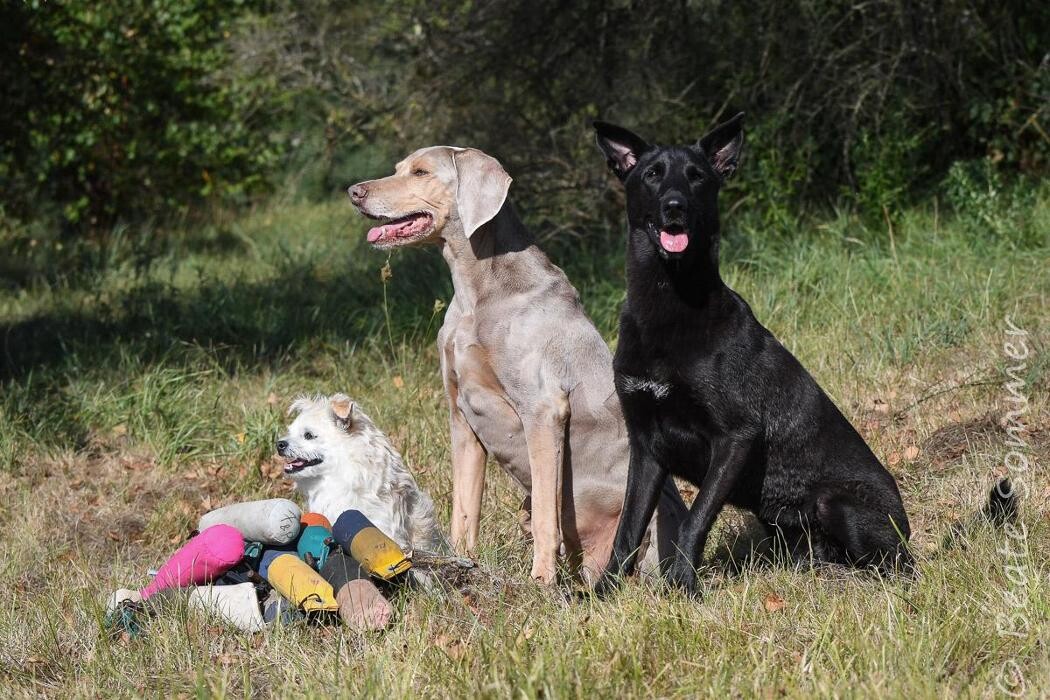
[308, 435]
[419, 172]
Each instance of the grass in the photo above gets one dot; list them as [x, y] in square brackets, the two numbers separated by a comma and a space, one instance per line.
[143, 382]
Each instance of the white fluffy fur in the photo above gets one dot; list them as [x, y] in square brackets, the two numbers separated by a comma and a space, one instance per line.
[359, 470]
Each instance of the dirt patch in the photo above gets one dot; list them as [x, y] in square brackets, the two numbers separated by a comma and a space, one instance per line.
[105, 503]
[950, 442]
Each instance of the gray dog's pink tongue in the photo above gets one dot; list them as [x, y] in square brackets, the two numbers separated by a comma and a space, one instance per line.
[674, 242]
[400, 228]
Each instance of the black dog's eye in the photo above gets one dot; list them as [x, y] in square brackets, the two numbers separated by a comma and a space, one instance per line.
[419, 172]
[695, 175]
[652, 173]
[308, 435]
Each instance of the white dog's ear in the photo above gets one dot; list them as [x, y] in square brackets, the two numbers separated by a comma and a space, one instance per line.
[342, 408]
[482, 188]
[300, 404]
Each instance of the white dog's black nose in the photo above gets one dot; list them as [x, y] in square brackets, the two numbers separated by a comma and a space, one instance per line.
[282, 445]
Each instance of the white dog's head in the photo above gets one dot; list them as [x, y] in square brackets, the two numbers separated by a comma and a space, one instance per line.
[340, 461]
[318, 436]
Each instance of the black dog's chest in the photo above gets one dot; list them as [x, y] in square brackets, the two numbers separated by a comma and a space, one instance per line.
[658, 405]
[659, 382]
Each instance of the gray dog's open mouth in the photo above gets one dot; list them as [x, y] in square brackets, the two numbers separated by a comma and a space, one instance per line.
[401, 230]
[296, 465]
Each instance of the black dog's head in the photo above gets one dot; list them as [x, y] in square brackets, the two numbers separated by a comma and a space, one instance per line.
[672, 191]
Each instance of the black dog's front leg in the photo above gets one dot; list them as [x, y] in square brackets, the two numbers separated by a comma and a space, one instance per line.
[645, 479]
[728, 460]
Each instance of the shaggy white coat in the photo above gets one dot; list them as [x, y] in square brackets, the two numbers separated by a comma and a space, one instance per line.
[339, 460]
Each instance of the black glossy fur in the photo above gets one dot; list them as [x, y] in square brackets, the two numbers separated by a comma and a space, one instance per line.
[709, 395]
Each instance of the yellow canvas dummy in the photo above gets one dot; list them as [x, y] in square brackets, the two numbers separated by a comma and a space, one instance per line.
[378, 554]
[295, 580]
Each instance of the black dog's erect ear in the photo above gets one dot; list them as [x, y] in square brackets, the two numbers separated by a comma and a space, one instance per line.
[622, 148]
[723, 145]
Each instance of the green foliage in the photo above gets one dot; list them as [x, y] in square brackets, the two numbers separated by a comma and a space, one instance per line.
[110, 112]
[986, 203]
[143, 108]
[887, 167]
[873, 100]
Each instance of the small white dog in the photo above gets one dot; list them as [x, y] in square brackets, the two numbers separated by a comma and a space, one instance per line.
[340, 461]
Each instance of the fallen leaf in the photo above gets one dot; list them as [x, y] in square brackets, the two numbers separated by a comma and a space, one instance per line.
[911, 452]
[454, 648]
[272, 469]
[525, 634]
[241, 437]
[272, 399]
[773, 602]
[399, 382]
[894, 459]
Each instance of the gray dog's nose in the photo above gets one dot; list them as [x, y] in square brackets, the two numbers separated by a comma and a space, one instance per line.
[357, 193]
[282, 445]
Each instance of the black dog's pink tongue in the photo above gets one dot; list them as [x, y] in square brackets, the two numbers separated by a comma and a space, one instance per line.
[674, 241]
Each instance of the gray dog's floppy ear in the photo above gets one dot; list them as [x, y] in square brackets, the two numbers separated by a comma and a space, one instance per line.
[342, 408]
[622, 148]
[723, 144]
[482, 188]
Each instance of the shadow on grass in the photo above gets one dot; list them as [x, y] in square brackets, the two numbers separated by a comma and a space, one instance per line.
[239, 325]
[258, 322]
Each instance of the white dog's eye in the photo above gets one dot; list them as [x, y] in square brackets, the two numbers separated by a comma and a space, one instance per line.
[308, 435]
[419, 172]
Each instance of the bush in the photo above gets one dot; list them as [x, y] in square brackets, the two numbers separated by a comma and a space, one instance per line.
[134, 108]
[987, 204]
[110, 112]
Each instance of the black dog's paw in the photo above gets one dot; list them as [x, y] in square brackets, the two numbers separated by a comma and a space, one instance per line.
[683, 577]
[606, 586]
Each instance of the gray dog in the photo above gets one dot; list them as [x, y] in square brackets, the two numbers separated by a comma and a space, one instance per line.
[529, 378]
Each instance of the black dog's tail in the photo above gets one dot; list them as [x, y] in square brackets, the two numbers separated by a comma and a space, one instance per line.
[1002, 504]
[1000, 510]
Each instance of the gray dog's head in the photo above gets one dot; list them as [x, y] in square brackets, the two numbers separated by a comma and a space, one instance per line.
[430, 188]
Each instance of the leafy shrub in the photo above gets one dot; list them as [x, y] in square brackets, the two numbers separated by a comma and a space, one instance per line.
[135, 108]
[988, 204]
[875, 99]
[110, 112]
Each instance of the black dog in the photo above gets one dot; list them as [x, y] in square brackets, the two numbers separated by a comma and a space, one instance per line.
[711, 396]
